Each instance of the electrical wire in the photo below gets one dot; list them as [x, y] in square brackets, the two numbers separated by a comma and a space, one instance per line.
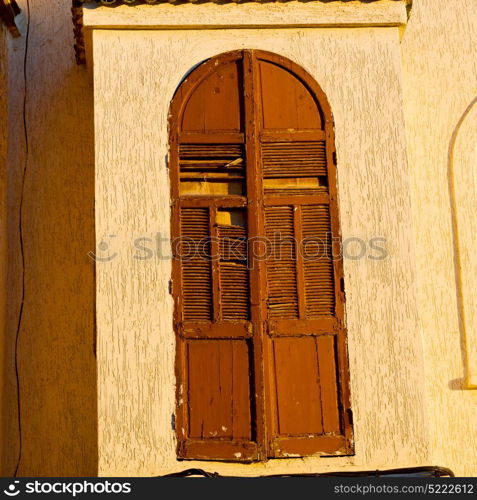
[22, 303]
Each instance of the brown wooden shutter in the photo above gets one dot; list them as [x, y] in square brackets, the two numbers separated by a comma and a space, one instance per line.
[211, 277]
[261, 352]
[304, 326]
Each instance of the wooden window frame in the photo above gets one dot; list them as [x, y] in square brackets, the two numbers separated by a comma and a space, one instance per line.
[262, 447]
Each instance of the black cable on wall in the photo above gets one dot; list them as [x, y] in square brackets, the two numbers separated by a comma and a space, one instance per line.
[22, 193]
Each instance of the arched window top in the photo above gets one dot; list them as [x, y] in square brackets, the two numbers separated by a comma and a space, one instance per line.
[291, 99]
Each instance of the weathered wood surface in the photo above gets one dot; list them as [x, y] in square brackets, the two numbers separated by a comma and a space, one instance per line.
[56, 361]
[14, 137]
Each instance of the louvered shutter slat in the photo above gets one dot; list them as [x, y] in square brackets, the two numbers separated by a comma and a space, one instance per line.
[211, 157]
[196, 267]
[319, 272]
[233, 271]
[234, 290]
[281, 267]
[294, 159]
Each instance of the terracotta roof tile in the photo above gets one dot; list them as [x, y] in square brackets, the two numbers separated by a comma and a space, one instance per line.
[152, 2]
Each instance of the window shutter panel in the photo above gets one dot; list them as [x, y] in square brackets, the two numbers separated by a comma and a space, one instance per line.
[212, 277]
[303, 323]
[261, 354]
[294, 159]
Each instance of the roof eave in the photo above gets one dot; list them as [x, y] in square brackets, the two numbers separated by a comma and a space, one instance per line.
[87, 16]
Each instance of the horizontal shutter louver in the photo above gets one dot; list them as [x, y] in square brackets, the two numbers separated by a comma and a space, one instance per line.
[234, 290]
[233, 242]
[281, 263]
[234, 280]
[294, 159]
[292, 192]
[218, 158]
[317, 261]
[196, 265]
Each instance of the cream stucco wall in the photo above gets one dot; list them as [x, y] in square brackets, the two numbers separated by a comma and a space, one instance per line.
[48, 408]
[440, 70]
[135, 75]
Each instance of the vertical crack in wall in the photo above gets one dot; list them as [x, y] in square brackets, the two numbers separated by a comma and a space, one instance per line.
[25, 166]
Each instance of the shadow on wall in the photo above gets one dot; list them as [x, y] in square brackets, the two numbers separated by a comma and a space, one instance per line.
[51, 278]
[459, 247]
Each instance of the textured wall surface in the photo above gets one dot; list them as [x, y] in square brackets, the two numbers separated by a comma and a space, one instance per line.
[51, 184]
[440, 69]
[136, 73]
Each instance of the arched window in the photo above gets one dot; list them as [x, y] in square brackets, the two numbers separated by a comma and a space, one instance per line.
[259, 300]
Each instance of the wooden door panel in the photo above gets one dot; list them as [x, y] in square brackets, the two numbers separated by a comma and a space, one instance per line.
[219, 450]
[219, 389]
[193, 251]
[218, 330]
[303, 323]
[287, 327]
[307, 401]
[317, 261]
[294, 159]
[309, 445]
[306, 385]
[298, 386]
